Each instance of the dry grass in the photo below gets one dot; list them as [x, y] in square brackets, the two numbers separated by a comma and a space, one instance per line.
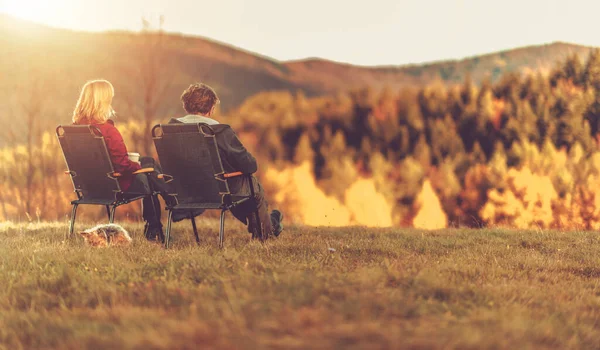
[380, 288]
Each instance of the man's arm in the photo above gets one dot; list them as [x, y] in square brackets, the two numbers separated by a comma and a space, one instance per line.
[237, 155]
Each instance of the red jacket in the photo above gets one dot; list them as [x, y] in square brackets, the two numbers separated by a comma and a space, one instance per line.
[118, 153]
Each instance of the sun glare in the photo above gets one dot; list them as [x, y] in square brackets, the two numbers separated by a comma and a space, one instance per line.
[40, 11]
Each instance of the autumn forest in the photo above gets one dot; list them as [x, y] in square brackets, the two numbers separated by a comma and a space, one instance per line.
[520, 150]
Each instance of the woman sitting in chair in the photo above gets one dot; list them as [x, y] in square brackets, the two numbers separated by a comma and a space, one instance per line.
[94, 108]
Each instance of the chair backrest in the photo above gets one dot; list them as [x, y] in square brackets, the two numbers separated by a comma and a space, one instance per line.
[189, 153]
[88, 162]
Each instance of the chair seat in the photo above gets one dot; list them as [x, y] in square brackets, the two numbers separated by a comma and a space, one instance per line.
[239, 199]
[197, 206]
[234, 199]
[93, 201]
[127, 198]
[130, 197]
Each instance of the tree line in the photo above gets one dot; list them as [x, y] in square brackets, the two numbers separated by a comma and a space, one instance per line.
[522, 151]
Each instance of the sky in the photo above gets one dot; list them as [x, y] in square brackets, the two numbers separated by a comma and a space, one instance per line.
[372, 32]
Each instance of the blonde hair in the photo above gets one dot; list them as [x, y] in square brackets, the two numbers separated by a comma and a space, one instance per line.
[94, 104]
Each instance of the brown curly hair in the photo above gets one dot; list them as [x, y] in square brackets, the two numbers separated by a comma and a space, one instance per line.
[199, 99]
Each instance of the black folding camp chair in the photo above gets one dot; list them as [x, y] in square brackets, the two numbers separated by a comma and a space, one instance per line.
[190, 160]
[89, 165]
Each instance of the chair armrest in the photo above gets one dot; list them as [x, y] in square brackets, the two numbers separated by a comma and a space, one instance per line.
[237, 173]
[70, 173]
[167, 178]
[141, 171]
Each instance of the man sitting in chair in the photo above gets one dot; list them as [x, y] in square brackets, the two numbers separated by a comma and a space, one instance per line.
[199, 101]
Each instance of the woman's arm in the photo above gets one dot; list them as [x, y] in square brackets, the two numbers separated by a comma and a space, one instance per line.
[118, 151]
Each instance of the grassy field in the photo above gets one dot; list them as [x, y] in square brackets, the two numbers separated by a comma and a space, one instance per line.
[349, 288]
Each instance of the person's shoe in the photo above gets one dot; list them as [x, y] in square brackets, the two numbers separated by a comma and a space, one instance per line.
[182, 214]
[277, 222]
[254, 229]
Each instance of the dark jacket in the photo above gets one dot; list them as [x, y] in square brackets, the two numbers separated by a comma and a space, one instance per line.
[234, 156]
[118, 153]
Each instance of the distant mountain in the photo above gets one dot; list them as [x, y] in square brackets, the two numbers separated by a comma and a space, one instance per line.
[59, 61]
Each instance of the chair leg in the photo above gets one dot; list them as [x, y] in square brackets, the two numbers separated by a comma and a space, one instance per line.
[168, 231]
[111, 214]
[261, 235]
[195, 229]
[222, 230]
[72, 224]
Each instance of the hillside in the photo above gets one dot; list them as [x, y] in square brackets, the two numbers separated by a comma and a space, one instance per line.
[53, 63]
[331, 75]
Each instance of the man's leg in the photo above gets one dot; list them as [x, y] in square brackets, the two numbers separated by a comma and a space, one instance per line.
[263, 210]
[245, 213]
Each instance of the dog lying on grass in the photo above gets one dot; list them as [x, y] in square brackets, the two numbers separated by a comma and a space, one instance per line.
[106, 235]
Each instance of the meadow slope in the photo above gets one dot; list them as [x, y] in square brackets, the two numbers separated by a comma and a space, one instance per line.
[345, 288]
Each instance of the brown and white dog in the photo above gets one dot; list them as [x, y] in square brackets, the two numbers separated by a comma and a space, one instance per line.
[106, 235]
